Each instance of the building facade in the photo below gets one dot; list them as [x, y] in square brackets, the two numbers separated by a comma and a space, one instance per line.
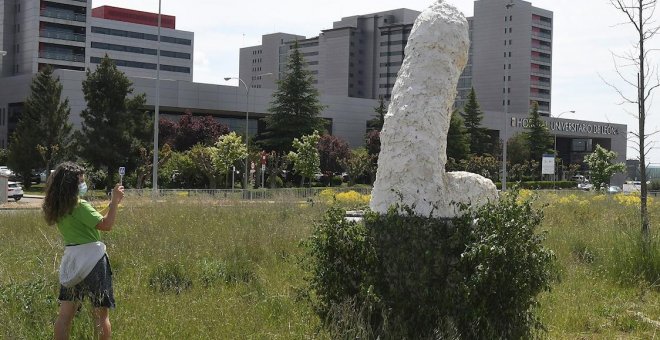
[68, 34]
[509, 65]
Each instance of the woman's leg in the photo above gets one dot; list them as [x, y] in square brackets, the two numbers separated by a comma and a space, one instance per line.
[102, 323]
[64, 318]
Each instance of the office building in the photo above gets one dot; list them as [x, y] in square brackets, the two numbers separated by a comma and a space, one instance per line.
[360, 56]
[67, 35]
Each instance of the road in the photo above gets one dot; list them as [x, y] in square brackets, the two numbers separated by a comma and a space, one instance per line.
[29, 202]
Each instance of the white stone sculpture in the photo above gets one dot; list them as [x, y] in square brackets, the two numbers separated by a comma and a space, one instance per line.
[411, 164]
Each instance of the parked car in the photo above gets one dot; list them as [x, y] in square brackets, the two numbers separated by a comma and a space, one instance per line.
[5, 171]
[15, 191]
[614, 189]
[585, 185]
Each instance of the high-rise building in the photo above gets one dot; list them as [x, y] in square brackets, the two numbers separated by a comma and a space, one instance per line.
[66, 34]
[510, 55]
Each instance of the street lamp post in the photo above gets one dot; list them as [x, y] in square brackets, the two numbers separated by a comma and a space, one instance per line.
[154, 179]
[506, 112]
[247, 121]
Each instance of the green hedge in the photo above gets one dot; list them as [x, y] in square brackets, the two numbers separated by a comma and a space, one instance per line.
[540, 185]
[409, 277]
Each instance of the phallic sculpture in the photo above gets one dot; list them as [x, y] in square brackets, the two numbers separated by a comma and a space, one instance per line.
[411, 164]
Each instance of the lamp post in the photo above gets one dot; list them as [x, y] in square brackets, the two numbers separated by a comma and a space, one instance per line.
[154, 179]
[506, 112]
[247, 121]
[556, 153]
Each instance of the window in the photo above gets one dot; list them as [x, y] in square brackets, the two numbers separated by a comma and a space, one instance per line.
[510, 17]
[510, 42]
[510, 29]
[504, 42]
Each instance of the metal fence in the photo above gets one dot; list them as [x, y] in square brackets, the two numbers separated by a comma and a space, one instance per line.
[281, 195]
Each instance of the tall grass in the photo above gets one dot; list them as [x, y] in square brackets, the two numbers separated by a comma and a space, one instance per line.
[203, 268]
[182, 269]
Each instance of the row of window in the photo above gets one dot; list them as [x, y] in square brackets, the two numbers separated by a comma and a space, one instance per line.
[390, 64]
[256, 60]
[384, 54]
[138, 35]
[394, 42]
[256, 52]
[396, 31]
[148, 66]
[387, 75]
[139, 50]
[256, 69]
[307, 54]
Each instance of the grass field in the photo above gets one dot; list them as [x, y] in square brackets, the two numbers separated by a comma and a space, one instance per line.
[189, 268]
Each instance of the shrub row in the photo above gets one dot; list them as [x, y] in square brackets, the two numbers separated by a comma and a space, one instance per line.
[540, 185]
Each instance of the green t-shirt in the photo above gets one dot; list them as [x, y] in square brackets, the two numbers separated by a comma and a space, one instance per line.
[79, 227]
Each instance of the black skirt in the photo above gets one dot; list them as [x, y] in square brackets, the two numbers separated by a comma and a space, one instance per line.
[97, 286]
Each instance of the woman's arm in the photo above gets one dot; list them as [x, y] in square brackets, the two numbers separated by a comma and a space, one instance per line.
[109, 218]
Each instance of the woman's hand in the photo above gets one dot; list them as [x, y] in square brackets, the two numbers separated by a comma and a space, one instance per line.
[117, 194]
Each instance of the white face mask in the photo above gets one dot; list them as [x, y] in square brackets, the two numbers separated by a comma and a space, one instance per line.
[82, 189]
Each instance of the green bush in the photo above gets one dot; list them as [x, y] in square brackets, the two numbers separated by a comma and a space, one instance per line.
[169, 277]
[540, 185]
[406, 276]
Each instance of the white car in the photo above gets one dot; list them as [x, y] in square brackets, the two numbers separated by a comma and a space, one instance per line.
[15, 191]
[5, 171]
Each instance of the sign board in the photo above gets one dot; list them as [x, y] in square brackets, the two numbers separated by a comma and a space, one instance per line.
[548, 165]
[263, 158]
[122, 171]
[263, 167]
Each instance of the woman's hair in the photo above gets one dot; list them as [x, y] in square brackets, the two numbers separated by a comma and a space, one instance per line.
[62, 192]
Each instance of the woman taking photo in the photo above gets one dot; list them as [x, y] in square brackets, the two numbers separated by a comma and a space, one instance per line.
[85, 268]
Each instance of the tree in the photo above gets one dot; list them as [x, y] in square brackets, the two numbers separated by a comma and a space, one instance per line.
[144, 170]
[192, 130]
[295, 108]
[639, 13]
[359, 164]
[538, 136]
[458, 140]
[43, 134]
[4, 154]
[230, 148]
[331, 151]
[480, 141]
[377, 122]
[518, 149]
[114, 126]
[306, 160]
[204, 159]
[601, 166]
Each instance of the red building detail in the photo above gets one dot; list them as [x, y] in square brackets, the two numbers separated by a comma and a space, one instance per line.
[135, 17]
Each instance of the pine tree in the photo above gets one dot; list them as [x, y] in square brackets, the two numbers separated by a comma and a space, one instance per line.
[295, 108]
[480, 141]
[458, 142]
[377, 122]
[114, 126]
[43, 134]
[539, 138]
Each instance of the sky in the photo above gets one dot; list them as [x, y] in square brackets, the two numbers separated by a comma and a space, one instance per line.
[586, 35]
